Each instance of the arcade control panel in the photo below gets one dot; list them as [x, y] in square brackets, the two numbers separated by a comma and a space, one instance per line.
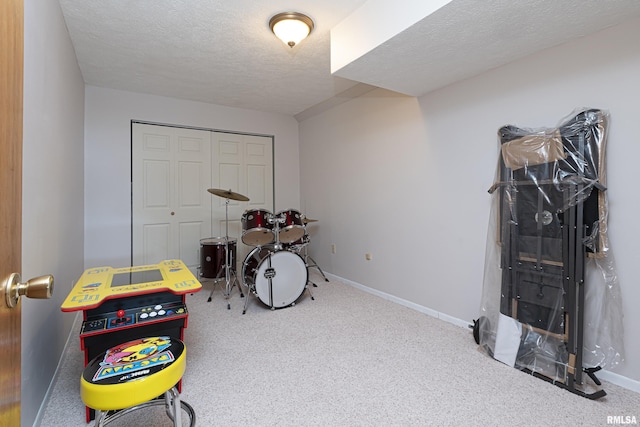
[122, 318]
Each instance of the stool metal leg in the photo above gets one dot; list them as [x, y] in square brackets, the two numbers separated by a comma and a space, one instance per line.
[100, 418]
[172, 406]
[172, 403]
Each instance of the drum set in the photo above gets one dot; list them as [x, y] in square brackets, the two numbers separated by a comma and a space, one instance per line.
[276, 270]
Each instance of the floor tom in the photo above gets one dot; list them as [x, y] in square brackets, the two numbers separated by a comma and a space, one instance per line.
[212, 257]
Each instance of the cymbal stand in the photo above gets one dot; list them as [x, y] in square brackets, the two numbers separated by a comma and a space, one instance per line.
[305, 256]
[227, 261]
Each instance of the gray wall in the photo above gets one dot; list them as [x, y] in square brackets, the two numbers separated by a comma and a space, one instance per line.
[406, 179]
[52, 205]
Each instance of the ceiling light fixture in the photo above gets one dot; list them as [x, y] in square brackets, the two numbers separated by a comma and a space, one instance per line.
[291, 27]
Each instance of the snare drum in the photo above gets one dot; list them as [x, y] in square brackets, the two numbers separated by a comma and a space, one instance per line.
[292, 225]
[212, 257]
[278, 277]
[257, 227]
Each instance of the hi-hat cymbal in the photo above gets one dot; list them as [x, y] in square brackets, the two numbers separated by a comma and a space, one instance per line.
[228, 194]
[308, 220]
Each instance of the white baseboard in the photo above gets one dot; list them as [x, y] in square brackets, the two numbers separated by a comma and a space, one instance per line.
[433, 313]
[619, 380]
[608, 376]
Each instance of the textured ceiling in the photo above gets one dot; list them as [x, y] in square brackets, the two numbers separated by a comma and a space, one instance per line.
[222, 52]
[467, 37]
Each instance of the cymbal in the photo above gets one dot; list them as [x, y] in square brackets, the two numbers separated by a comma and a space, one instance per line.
[308, 220]
[228, 194]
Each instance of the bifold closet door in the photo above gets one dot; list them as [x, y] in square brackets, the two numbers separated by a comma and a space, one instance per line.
[243, 164]
[171, 205]
[172, 168]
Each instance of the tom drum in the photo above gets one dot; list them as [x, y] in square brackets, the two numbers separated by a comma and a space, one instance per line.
[297, 245]
[292, 225]
[257, 227]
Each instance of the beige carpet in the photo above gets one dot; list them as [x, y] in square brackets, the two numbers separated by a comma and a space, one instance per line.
[347, 358]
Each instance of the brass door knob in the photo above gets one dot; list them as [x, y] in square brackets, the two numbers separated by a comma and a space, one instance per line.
[39, 287]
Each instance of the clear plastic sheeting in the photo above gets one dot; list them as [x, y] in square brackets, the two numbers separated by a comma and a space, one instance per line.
[551, 301]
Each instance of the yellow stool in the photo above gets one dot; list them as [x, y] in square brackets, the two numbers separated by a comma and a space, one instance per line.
[133, 375]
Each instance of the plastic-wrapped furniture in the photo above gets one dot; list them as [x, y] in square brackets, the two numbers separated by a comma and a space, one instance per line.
[547, 232]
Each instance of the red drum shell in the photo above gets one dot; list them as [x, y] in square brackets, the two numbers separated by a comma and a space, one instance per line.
[257, 229]
[298, 244]
[291, 227]
[212, 257]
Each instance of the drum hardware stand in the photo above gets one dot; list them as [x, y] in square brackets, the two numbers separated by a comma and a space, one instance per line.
[277, 247]
[228, 286]
[270, 279]
[216, 280]
[309, 289]
[246, 300]
[307, 257]
[277, 221]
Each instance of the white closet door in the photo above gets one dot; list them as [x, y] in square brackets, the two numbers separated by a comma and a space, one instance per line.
[171, 206]
[172, 209]
[244, 165]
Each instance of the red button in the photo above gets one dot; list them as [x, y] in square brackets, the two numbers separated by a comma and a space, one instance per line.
[120, 313]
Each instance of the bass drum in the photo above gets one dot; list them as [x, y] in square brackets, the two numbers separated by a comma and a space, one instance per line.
[277, 277]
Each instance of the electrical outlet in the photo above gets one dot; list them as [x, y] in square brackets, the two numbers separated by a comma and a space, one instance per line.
[333, 249]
